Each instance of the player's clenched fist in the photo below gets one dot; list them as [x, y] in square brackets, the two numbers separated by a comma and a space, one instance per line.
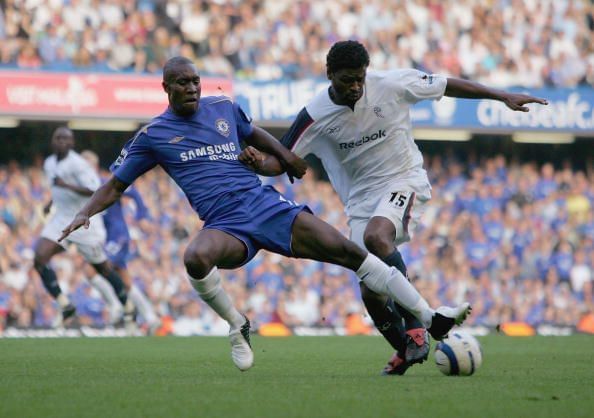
[295, 166]
[79, 220]
[251, 157]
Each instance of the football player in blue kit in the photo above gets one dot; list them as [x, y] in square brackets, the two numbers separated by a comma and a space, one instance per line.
[117, 249]
[197, 142]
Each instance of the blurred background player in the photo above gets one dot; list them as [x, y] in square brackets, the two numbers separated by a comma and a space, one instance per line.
[361, 131]
[197, 143]
[117, 248]
[72, 181]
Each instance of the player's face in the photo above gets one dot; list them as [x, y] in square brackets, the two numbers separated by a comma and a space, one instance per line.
[347, 85]
[183, 89]
[62, 141]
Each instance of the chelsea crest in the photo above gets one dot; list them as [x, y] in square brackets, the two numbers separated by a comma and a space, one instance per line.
[222, 127]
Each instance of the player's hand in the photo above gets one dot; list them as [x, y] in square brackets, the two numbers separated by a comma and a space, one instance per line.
[517, 101]
[251, 157]
[47, 208]
[79, 220]
[59, 182]
[295, 167]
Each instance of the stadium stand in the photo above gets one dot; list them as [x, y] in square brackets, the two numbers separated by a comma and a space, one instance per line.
[513, 236]
[530, 43]
[515, 239]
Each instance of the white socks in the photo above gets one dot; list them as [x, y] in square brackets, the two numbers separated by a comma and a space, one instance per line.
[211, 292]
[388, 281]
[63, 300]
[106, 290]
[144, 306]
[135, 299]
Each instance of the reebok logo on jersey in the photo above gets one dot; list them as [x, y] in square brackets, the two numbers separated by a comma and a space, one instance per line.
[333, 130]
[365, 139]
[176, 139]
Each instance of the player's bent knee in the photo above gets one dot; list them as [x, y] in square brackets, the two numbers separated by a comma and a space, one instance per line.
[197, 262]
[378, 244]
[40, 261]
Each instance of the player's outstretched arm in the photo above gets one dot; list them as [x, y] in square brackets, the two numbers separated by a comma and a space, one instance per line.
[471, 90]
[103, 197]
[291, 163]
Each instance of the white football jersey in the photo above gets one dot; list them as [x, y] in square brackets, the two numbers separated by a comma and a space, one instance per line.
[364, 148]
[75, 170]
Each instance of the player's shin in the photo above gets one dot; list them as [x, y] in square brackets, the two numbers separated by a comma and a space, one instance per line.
[108, 294]
[211, 291]
[117, 283]
[50, 281]
[395, 260]
[387, 281]
[385, 318]
[143, 304]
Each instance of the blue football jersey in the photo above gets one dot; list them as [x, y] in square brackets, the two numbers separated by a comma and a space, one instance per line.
[113, 216]
[200, 152]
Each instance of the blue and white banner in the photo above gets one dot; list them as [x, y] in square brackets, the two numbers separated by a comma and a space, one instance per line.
[276, 100]
[569, 110]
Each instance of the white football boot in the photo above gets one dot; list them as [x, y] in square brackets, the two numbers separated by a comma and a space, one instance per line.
[241, 349]
[446, 317]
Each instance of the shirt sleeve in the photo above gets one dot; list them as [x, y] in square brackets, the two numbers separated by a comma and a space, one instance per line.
[136, 158]
[415, 85]
[299, 136]
[243, 122]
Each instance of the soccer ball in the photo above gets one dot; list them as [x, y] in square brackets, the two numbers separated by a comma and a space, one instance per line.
[458, 354]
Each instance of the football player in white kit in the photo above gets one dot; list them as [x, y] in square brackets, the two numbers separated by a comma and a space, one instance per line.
[72, 181]
[360, 128]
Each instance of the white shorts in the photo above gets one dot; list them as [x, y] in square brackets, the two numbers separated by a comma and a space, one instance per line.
[403, 202]
[89, 242]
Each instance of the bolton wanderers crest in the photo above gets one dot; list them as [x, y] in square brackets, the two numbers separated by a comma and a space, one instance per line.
[223, 127]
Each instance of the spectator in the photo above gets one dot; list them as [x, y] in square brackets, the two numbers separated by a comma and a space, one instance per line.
[529, 43]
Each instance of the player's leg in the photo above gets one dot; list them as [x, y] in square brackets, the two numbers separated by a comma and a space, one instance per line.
[210, 249]
[398, 212]
[105, 269]
[315, 239]
[44, 251]
[379, 238]
[116, 310]
[386, 318]
[139, 300]
[117, 250]
[90, 246]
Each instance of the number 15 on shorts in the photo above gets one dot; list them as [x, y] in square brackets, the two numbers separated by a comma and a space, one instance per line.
[400, 199]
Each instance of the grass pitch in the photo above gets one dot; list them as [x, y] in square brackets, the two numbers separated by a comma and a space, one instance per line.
[301, 377]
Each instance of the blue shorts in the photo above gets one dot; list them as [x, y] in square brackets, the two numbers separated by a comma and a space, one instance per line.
[118, 252]
[262, 218]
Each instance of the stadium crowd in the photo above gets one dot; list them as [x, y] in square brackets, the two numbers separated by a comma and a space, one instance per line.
[530, 43]
[517, 240]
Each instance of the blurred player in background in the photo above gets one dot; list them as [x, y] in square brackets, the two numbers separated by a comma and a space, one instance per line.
[360, 128]
[72, 180]
[117, 248]
[196, 141]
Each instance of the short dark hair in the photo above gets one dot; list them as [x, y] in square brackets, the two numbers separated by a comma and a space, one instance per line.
[346, 54]
[172, 63]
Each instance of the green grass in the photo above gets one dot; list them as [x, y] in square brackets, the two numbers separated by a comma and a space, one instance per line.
[293, 377]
